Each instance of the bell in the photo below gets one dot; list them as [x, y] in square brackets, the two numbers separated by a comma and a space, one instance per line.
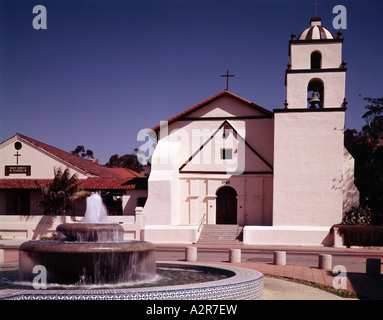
[314, 100]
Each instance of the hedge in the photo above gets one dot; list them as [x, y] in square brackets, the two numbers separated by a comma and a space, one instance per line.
[361, 235]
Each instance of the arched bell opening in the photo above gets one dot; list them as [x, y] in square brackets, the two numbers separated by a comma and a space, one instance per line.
[315, 94]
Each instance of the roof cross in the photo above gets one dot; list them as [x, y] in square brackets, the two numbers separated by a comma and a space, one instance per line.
[316, 4]
[227, 75]
[17, 155]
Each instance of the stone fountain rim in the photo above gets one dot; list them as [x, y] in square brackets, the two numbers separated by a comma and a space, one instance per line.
[89, 227]
[76, 247]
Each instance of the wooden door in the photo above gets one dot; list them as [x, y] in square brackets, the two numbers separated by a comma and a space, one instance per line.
[226, 206]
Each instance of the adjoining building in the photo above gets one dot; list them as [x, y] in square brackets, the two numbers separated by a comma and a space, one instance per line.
[27, 164]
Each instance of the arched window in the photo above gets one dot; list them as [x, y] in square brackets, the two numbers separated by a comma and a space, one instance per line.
[315, 93]
[316, 60]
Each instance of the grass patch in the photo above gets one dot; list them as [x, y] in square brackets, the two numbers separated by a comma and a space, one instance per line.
[339, 292]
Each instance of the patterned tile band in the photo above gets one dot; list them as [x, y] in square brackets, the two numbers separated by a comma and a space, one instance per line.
[246, 284]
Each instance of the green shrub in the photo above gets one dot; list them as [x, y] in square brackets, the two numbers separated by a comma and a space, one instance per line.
[362, 215]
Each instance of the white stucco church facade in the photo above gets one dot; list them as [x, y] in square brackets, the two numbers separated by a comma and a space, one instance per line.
[284, 175]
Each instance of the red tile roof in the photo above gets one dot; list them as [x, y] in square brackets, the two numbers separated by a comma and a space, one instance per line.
[207, 101]
[115, 184]
[87, 184]
[87, 166]
[31, 184]
[127, 173]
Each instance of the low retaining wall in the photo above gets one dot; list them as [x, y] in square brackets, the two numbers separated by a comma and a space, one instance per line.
[287, 235]
[36, 226]
[170, 234]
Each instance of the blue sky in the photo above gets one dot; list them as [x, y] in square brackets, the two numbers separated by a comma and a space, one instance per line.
[104, 70]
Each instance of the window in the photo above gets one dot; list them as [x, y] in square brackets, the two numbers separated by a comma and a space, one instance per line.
[316, 60]
[226, 154]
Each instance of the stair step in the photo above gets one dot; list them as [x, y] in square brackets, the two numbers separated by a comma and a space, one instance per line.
[221, 234]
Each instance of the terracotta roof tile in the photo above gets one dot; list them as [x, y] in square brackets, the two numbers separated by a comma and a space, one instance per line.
[126, 173]
[31, 184]
[87, 184]
[115, 184]
[87, 166]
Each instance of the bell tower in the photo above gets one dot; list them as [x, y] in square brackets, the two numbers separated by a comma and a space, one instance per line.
[316, 71]
[308, 132]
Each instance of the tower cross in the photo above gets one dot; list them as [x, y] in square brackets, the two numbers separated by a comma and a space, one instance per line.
[17, 155]
[316, 4]
[227, 75]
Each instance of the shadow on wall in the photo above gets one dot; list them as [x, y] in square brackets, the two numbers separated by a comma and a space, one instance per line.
[46, 224]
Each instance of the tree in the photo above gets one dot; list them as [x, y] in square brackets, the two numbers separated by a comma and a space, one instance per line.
[81, 152]
[366, 147]
[128, 161]
[60, 195]
[375, 109]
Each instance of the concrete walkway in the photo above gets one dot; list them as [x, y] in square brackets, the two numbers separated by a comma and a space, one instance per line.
[276, 289]
[364, 286]
[361, 285]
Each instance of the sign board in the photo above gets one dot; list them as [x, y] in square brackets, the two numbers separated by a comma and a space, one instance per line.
[18, 170]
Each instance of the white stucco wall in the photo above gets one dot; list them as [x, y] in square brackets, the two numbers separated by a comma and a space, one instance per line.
[198, 198]
[334, 88]
[195, 186]
[308, 168]
[162, 205]
[193, 133]
[300, 54]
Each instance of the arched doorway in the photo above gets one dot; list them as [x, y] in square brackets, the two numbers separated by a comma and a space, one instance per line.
[226, 206]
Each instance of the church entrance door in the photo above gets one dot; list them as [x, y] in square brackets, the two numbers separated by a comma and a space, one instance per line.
[226, 206]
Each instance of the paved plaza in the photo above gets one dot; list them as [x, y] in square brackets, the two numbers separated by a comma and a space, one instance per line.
[277, 287]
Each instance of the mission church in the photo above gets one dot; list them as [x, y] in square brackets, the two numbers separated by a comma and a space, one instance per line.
[285, 176]
[279, 177]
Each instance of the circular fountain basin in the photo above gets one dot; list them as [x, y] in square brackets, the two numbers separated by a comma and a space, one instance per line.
[240, 284]
[88, 262]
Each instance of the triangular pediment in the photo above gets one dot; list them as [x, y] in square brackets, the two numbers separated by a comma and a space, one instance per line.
[226, 106]
[223, 105]
[226, 151]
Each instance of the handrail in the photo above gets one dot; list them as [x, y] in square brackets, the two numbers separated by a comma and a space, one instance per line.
[201, 222]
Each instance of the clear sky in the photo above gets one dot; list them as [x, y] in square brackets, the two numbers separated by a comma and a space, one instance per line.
[104, 70]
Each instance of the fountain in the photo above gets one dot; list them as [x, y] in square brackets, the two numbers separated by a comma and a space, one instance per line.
[92, 261]
[89, 252]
